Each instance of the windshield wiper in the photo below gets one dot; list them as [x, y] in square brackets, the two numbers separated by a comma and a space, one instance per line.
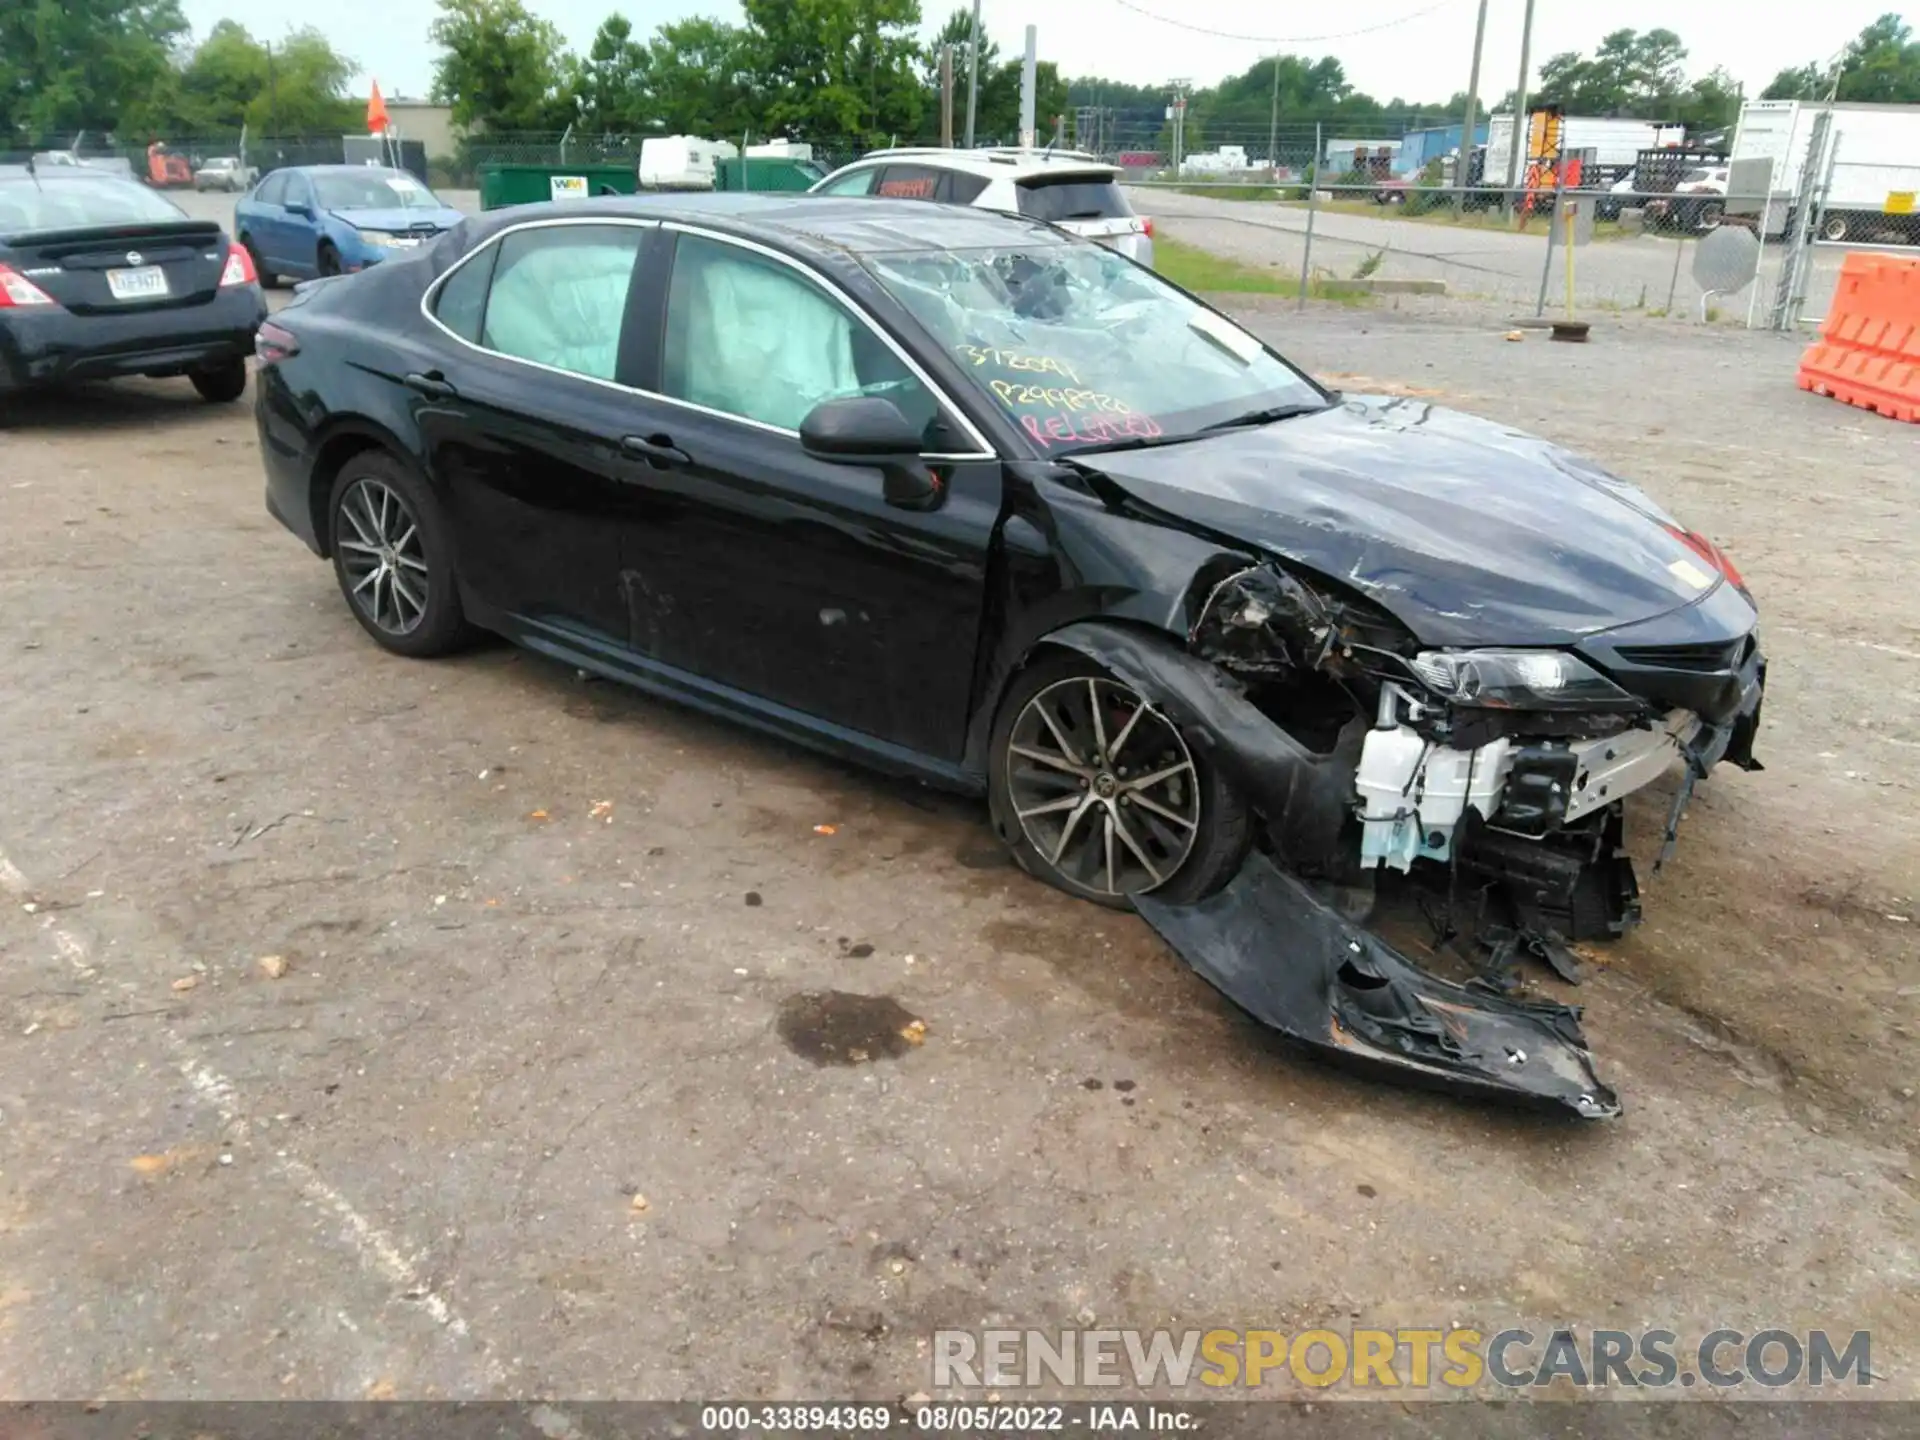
[1267, 416]
[1133, 442]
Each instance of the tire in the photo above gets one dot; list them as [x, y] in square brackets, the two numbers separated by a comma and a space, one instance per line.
[374, 503]
[1709, 215]
[268, 280]
[1835, 227]
[221, 384]
[1214, 820]
[327, 262]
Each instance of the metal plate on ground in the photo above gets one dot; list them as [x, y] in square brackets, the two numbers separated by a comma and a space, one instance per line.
[1726, 260]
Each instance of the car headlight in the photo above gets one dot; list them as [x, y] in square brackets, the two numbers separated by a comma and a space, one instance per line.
[1518, 680]
[385, 239]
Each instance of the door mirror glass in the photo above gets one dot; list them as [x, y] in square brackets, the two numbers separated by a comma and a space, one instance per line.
[300, 208]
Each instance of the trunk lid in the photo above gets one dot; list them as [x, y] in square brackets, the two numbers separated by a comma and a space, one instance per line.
[76, 267]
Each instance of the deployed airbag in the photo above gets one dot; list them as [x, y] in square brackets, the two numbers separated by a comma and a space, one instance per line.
[1284, 956]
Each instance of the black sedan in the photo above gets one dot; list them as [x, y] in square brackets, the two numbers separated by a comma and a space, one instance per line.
[974, 501]
[100, 277]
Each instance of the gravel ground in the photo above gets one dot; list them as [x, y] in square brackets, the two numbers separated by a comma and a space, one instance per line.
[526, 1103]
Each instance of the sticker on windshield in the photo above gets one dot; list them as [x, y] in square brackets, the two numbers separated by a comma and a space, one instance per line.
[1231, 338]
[403, 184]
[567, 187]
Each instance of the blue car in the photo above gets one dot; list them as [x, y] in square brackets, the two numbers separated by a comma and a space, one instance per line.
[311, 220]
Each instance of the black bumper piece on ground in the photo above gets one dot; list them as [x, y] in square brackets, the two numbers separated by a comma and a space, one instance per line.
[1272, 947]
[48, 346]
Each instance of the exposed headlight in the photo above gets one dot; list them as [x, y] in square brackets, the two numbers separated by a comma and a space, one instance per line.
[1518, 680]
[387, 240]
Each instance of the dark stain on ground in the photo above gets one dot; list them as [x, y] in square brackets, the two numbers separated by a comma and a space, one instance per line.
[836, 1027]
[753, 897]
[857, 952]
[1091, 1084]
[1123, 1085]
[988, 855]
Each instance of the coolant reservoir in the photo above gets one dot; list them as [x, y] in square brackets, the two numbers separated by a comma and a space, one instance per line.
[1412, 794]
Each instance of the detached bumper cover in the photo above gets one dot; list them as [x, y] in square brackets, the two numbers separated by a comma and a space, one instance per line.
[47, 346]
[1272, 947]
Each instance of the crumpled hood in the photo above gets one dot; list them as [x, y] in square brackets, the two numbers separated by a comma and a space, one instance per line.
[1469, 533]
[398, 218]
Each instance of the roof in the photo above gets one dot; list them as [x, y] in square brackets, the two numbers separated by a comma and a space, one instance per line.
[856, 225]
[1009, 160]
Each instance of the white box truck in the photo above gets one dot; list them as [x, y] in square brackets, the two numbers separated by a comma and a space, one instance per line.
[1613, 143]
[681, 162]
[1870, 163]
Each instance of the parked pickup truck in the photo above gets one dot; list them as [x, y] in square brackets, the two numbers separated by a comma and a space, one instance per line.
[225, 172]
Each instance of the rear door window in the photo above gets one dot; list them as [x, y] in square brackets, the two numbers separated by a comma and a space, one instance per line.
[908, 182]
[559, 296]
[959, 188]
[1054, 198]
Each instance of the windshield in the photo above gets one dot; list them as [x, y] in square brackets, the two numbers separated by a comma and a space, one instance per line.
[373, 190]
[73, 203]
[1083, 347]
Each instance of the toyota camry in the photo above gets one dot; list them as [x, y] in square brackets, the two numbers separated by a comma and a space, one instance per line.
[976, 501]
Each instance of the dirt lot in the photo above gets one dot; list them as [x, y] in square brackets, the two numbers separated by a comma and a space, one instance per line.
[542, 942]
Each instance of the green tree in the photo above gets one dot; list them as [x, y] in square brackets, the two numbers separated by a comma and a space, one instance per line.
[501, 67]
[701, 82]
[832, 69]
[1881, 65]
[1803, 82]
[1711, 103]
[612, 80]
[96, 65]
[299, 88]
[1629, 74]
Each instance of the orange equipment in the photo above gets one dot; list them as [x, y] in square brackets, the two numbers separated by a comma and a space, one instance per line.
[164, 168]
[1868, 353]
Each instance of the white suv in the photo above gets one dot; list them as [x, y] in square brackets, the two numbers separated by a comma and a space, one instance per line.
[1067, 188]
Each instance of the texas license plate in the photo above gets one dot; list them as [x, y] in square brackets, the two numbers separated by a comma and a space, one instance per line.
[141, 283]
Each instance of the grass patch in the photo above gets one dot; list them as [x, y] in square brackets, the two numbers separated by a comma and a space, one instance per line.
[1445, 212]
[1195, 269]
[1242, 192]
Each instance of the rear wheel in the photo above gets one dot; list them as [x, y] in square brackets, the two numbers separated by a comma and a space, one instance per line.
[1835, 227]
[223, 383]
[1096, 792]
[393, 557]
[268, 280]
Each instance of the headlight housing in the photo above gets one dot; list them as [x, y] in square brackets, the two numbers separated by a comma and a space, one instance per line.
[385, 239]
[1518, 680]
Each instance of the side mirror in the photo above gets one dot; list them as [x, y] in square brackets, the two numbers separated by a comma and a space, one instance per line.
[295, 207]
[870, 430]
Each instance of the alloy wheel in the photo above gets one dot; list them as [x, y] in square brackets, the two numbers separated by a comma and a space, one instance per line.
[1103, 786]
[380, 551]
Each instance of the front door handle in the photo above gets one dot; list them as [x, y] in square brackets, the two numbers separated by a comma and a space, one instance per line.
[433, 385]
[658, 451]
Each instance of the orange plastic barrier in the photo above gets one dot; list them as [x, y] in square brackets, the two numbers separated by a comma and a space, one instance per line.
[1868, 353]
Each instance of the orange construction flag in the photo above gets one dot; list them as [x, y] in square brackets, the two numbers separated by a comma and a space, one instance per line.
[376, 112]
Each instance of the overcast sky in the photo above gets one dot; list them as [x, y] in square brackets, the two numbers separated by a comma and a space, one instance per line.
[1426, 57]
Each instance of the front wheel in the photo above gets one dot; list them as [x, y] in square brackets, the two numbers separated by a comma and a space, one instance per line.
[1835, 227]
[1096, 791]
[221, 384]
[393, 557]
[328, 260]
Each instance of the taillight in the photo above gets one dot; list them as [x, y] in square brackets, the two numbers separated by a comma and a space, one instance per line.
[272, 342]
[18, 292]
[1146, 226]
[1711, 553]
[239, 269]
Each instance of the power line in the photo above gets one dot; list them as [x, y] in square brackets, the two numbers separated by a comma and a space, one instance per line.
[1282, 39]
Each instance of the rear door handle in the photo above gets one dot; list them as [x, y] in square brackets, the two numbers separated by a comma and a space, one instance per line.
[658, 451]
[433, 385]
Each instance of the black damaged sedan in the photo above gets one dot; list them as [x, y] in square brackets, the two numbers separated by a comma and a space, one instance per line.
[970, 500]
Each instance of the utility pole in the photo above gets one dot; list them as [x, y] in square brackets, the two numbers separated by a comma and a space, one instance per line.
[946, 97]
[1520, 105]
[973, 73]
[1273, 123]
[273, 98]
[1028, 76]
[1473, 96]
[1179, 108]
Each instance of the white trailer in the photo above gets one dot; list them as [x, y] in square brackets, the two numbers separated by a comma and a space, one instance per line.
[1869, 166]
[681, 162]
[1613, 143]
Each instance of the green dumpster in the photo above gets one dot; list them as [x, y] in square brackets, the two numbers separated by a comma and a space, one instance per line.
[765, 172]
[502, 185]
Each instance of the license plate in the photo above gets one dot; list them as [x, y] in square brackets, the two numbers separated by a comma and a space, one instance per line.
[142, 283]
